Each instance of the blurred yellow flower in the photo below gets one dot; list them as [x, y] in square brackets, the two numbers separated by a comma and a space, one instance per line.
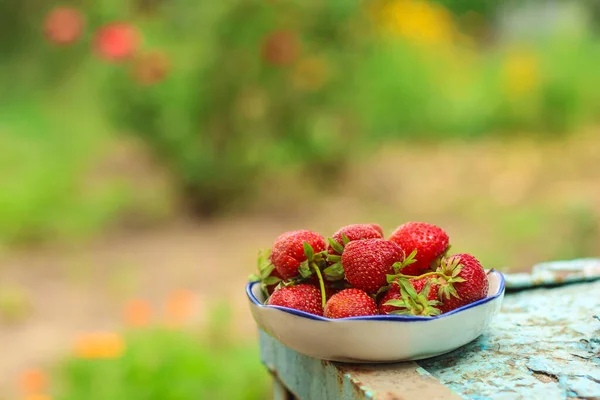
[179, 307]
[521, 74]
[418, 21]
[310, 74]
[33, 381]
[137, 313]
[99, 345]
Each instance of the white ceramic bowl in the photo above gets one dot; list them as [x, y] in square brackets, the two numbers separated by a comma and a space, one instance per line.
[377, 338]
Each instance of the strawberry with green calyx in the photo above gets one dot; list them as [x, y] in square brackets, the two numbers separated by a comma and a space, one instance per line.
[429, 241]
[367, 263]
[462, 280]
[314, 262]
[335, 270]
[411, 297]
[397, 266]
[350, 303]
[303, 297]
[267, 275]
[288, 251]
[340, 239]
[351, 233]
[401, 266]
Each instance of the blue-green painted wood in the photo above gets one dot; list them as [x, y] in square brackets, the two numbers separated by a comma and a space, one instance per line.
[544, 344]
[306, 377]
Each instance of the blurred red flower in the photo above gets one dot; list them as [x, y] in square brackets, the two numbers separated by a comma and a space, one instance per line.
[64, 25]
[117, 41]
[281, 48]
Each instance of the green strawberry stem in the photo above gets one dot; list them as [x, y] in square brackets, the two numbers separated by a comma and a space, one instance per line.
[422, 276]
[416, 278]
[318, 272]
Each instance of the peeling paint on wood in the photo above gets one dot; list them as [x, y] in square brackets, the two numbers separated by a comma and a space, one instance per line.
[556, 272]
[544, 344]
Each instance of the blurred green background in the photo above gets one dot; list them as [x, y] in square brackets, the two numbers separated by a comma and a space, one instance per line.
[232, 121]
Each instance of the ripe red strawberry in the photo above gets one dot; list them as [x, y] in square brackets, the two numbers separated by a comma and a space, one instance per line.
[64, 25]
[288, 251]
[466, 281]
[352, 233]
[350, 303]
[429, 241]
[367, 263]
[117, 41]
[377, 228]
[427, 303]
[303, 297]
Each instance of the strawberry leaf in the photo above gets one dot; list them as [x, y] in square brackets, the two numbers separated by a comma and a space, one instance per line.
[345, 239]
[456, 271]
[391, 278]
[410, 259]
[320, 256]
[336, 246]
[426, 289]
[304, 269]
[254, 278]
[398, 266]
[396, 303]
[266, 271]
[334, 258]
[334, 272]
[308, 251]
[408, 287]
[271, 280]
[401, 312]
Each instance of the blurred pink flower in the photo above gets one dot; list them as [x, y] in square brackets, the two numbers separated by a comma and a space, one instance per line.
[64, 25]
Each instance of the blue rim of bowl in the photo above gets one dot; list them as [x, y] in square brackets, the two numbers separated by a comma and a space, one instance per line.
[388, 317]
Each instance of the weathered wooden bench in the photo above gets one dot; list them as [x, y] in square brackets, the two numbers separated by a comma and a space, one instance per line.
[545, 344]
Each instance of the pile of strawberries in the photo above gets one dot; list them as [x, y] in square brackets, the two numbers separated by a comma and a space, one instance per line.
[358, 272]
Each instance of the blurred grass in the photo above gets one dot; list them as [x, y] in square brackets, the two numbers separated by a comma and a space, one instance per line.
[169, 364]
[161, 364]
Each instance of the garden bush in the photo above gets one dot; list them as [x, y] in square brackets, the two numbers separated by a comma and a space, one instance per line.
[229, 95]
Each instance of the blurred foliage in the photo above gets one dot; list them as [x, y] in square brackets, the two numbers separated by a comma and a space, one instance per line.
[264, 90]
[244, 91]
[167, 364]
